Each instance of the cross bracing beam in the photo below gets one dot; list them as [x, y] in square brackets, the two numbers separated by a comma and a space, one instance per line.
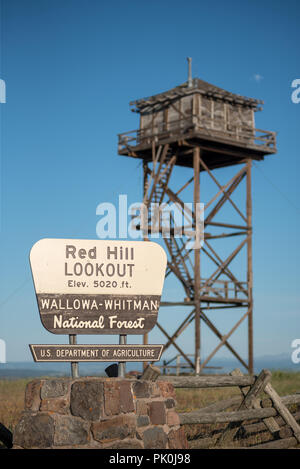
[222, 289]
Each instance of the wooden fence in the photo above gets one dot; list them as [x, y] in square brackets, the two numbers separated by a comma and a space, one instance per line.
[179, 366]
[259, 410]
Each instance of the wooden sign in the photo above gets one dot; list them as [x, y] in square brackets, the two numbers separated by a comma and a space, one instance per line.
[98, 287]
[95, 353]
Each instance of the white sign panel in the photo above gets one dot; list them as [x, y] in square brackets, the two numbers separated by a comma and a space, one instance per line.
[98, 286]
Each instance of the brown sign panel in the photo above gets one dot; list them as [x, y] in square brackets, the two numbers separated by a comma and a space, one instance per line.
[96, 286]
[95, 353]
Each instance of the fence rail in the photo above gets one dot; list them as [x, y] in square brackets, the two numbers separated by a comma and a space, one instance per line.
[167, 367]
[268, 415]
[209, 381]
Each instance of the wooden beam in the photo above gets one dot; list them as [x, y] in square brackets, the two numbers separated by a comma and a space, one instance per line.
[191, 418]
[156, 175]
[249, 268]
[175, 345]
[219, 335]
[247, 403]
[197, 276]
[226, 271]
[277, 444]
[283, 411]
[222, 190]
[209, 381]
[224, 339]
[224, 264]
[228, 225]
[226, 235]
[226, 194]
[189, 318]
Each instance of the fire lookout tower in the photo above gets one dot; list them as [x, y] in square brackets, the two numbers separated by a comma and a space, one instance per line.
[203, 127]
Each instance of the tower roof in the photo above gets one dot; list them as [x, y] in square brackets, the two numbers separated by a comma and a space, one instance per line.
[155, 102]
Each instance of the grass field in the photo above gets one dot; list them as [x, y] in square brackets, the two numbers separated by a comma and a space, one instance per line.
[12, 397]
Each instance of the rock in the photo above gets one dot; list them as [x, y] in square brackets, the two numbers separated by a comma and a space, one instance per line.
[86, 399]
[141, 389]
[172, 418]
[54, 388]
[33, 395]
[70, 431]
[170, 403]
[34, 431]
[143, 421]
[116, 428]
[126, 397]
[126, 444]
[141, 407]
[111, 397]
[157, 413]
[177, 439]
[60, 405]
[155, 438]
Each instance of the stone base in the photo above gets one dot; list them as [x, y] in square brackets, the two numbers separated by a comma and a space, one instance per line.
[112, 413]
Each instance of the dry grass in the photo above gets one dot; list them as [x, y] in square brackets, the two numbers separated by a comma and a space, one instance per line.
[12, 401]
[286, 382]
[193, 399]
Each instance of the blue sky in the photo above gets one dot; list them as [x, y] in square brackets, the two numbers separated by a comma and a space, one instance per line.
[71, 68]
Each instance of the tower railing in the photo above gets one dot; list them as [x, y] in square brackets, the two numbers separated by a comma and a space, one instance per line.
[224, 290]
[195, 124]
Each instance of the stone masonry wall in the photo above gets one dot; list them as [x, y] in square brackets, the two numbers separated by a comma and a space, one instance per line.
[99, 413]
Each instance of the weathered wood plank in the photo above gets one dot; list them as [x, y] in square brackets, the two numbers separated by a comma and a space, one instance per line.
[260, 383]
[283, 411]
[202, 443]
[209, 381]
[277, 444]
[292, 399]
[260, 426]
[285, 432]
[224, 417]
[178, 349]
[151, 373]
[250, 401]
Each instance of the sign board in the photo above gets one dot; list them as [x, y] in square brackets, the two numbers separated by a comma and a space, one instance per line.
[96, 353]
[98, 286]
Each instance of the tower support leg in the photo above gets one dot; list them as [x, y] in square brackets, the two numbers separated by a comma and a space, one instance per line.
[197, 279]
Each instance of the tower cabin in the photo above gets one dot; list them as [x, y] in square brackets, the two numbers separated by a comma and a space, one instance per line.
[198, 113]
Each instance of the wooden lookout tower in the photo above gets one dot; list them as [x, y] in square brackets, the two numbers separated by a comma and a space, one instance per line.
[200, 126]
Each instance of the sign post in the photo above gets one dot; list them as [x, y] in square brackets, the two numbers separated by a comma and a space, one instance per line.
[122, 365]
[74, 365]
[98, 287]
